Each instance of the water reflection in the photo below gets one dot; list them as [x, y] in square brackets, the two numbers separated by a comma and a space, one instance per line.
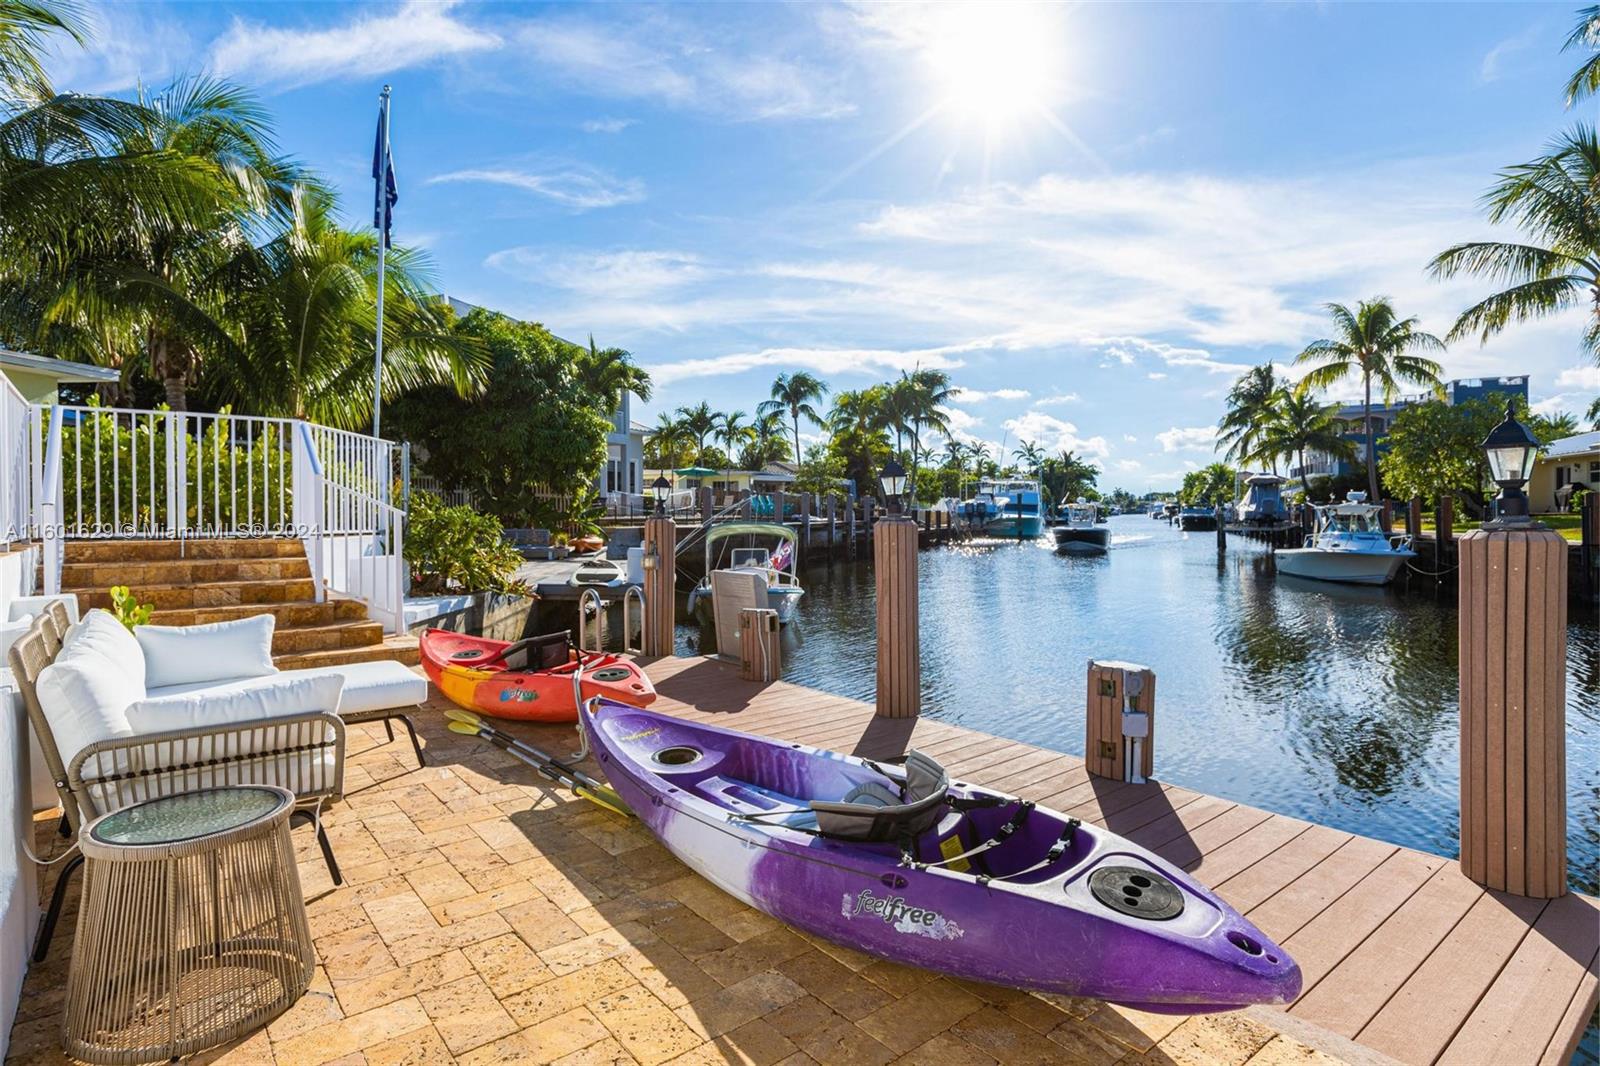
[1326, 702]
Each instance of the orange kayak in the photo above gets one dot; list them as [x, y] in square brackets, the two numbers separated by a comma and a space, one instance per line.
[528, 679]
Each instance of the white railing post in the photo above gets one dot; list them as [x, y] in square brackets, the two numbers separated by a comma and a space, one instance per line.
[402, 573]
[50, 506]
[306, 474]
[172, 526]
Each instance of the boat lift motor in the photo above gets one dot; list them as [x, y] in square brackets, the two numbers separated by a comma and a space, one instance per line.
[1135, 728]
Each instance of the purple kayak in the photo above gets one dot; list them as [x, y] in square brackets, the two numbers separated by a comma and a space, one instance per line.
[900, 862]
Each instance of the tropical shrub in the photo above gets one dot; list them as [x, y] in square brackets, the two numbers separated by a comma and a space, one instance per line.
[457, 548]
[129, 611]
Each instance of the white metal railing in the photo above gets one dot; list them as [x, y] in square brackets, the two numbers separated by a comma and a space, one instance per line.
[48, 497]
[16, 464]
[354, 535]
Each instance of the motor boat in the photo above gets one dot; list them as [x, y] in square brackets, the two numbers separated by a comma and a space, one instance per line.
[1005, 508]
[775, 563]
[1349, 546]
[1079, 531]
[1262, 504]
[900, 862]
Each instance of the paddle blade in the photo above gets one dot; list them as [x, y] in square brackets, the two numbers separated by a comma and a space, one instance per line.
[458, 715]
[466, 728]
[606, 798]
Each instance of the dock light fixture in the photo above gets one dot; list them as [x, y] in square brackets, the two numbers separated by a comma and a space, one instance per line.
[893, 479]
[1510, 449]
[661, 488]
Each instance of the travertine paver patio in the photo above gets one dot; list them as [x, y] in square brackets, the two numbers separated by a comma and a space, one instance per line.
[488, 919]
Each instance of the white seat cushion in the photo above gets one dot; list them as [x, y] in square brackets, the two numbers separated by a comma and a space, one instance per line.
[179, 655]
[264, 697]
[373, 686]
[86, 691]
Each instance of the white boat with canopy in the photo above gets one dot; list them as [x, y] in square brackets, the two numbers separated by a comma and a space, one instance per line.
[774, 560]
[1080, 530]
[1348, 546]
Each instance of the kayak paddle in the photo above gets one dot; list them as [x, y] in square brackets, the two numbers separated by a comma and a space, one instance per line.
[548, 766]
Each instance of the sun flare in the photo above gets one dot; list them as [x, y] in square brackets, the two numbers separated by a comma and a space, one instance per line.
[995, 62]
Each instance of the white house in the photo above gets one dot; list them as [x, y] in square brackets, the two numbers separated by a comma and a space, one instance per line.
[1568, 463]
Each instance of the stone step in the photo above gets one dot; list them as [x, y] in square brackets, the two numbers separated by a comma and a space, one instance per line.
[290, 640]
[137, 575]
[399, 649]
[288, 614]
[207, 594]
[114, 551]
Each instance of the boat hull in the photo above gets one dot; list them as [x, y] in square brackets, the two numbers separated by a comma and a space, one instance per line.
[1045, 933]
[1344, 567]
[1071, 540]
[527, 695]
[1023, 527]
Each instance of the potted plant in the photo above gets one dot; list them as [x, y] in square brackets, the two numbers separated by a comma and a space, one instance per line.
[560, 545]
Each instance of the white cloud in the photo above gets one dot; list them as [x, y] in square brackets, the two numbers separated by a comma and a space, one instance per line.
[607, 125]
[1128, 465]
[415, 33]
[1494, 59]
[1196, 439]
[822, 360]
[1057, 400]
[656, 57]
[1156, 375]
[1124, 350]
[1554, 405]
[1054, 435]
[1579, 377]
[125, 45]
[976, 396]
[1129, 438]
[623, 274]
[578, 188]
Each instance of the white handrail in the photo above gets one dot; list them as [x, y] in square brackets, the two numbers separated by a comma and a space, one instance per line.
[50, 506]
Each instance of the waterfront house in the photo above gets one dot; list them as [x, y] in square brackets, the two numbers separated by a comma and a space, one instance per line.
[39, 377]
[1566, 465]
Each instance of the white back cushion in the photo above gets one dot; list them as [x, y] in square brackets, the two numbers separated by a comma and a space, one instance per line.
[249, 702]
[221, 651]
[85, 693]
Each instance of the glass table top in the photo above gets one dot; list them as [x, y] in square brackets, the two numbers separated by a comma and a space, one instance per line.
[187, 816]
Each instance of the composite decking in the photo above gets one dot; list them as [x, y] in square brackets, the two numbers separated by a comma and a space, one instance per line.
[1401, 953]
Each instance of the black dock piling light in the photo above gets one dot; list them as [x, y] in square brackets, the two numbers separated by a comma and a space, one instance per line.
[893, 479]
[662, 488]
[1510, 449]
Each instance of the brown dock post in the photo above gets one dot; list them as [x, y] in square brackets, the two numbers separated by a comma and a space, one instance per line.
[1388, 516]
[1444, 531]
[705, 502]
[899, 635]
[850, 520]
[805, 528]
[1105, 746]
[660, 585]
[760, 654]
[1222, 534]
[1513, 651]
[1414, 518]
[779, 502]
[1589, 541]
[868, 505]
[833, 526]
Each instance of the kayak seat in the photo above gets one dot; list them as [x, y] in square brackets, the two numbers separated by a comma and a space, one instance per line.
[544, 652]
[871, 812]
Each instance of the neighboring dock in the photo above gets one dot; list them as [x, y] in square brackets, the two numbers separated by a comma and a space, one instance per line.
[1402, 954]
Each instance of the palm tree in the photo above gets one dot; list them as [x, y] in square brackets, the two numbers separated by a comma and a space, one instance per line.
[700, 421]
[306, 307]
[1585, 81]
[1253, 403]
[1552, 200]
[668, 439]
[795, 393]
[925, 392]
[1302, 425]
[1030, 456]
[610, 373]
[734, 432]
[767, 443]
[1374, 342]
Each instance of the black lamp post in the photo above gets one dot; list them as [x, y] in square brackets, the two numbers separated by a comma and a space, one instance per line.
[893, 479]
[661, 488]
[1510, 449]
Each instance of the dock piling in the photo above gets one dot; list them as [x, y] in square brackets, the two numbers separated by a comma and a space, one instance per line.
[899, 693]
[1512, 589]
[660, 586]
[1119, 721]
[760, 653]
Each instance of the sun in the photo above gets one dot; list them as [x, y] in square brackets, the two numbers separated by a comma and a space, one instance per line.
[995, 63]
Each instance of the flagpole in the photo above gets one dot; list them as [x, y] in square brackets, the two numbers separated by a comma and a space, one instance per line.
[382, 219]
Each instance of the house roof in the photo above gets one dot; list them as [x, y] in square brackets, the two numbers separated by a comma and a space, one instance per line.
[60, 369]
[1580, 444]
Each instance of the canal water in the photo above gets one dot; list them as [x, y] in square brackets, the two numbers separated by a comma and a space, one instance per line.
[1329, 703]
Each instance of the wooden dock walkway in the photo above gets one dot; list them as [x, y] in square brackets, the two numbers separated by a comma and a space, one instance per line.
[1401, 953]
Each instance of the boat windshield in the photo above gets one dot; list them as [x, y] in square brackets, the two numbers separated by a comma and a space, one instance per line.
[1358, 522]
[755, 557]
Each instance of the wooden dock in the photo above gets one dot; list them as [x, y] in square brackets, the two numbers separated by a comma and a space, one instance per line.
[1401, 953]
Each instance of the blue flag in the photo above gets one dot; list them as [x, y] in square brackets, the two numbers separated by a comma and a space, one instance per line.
[385, 194]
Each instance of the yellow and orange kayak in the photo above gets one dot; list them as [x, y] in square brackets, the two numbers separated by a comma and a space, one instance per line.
[472, 674]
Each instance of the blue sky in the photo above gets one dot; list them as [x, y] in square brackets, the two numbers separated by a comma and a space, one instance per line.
[1094, 216]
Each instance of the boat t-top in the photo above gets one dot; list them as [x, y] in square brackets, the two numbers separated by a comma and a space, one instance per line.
[1078, 531]
[1262, 504]
[773, 560]
[1005, 508]
[1349, 545]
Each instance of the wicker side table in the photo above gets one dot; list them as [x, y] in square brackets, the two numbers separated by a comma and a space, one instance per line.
[192, 930]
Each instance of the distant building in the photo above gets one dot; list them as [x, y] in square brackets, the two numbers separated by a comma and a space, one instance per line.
[1565, 466]
[1353, 429]
[39, 377]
